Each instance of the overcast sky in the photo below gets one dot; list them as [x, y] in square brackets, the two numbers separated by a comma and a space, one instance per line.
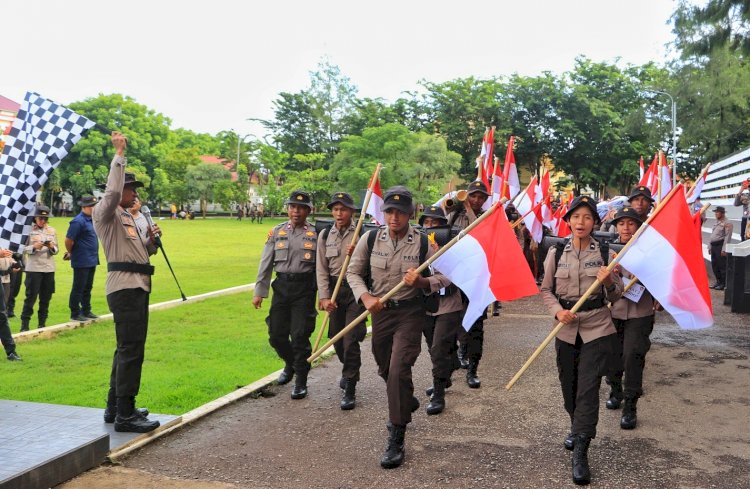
[210, 65]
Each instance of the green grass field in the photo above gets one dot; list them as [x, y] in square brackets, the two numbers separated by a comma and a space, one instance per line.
[194, 353]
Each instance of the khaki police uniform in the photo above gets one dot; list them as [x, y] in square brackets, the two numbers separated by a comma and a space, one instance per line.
[587, 347]
[40, 273]
[721, 235]
[291, 252]
[128, 283]
[397, 329]
[743, 200]
[331, 255]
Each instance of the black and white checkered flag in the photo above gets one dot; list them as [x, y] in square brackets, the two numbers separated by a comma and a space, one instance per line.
[40, 138]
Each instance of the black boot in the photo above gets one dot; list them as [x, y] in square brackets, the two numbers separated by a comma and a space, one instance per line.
[437, 400]
[581, 472]
[615, 393]
[286, 375]
[24, 325]
[300, 386]
[394, 451]
[129, 420]
[629, 418]
[570, 441]
[430, 389]
[349, 400]
[463, 354]
[471, 376]
[111, 410]
[42, 323]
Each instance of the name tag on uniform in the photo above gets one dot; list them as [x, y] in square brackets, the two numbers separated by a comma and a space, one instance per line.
[635, 292]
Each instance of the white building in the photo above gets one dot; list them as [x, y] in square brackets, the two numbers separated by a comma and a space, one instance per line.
[723, 183]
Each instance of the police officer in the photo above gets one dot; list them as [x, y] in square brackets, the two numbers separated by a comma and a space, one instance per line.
[471, 342]
[721, 234]
[290, 250]
[333, 247]
[128, 288]
[641, 201]
[8, 267]
[743, 200]
[442, 327]
[83, 252]
[40, 268]
[587, 346]
[633, 316]
[396, 324]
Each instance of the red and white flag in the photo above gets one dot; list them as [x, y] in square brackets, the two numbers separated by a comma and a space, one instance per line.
[548, 218]
[528, 207]
[668, 259]
[640, 169]
[666, 178]
[487, 265]
[376, 203]
[487, 152]
[510, 173]
[695, 193]
[562, 229]
[650, 178]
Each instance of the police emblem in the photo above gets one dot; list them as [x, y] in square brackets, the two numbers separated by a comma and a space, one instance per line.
[307, 256]
[396, 197]
[299, 197]
[282, 233]
[340, 195]
[308, 246]
[280, 244]
[309, 233]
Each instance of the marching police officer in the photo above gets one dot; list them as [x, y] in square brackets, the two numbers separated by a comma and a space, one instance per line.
[128, 289]
[290, 250]
[397, 324]
[471, 342]
[333, 247]
[641, 201]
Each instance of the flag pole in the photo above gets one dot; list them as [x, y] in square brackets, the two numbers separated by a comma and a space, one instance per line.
[355, 237]
[658, 179]
[591, 289]
[704, 174]
[401, 284]
[520, 219]
[513, 200]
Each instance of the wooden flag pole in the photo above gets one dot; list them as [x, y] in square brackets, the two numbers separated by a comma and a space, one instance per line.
[703, 174]
[355, 237]
[401, 284]
[590, 290]
[520, 219]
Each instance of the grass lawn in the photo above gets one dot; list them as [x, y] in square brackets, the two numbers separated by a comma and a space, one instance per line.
[194, 353]
[206, 255]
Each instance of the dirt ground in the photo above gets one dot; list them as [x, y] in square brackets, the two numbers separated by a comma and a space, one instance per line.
[692, 424]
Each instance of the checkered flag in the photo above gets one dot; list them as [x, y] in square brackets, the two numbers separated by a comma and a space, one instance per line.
[40, 138]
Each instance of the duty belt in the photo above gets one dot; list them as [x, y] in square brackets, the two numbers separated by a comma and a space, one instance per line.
[588, 305]
[394, 304]
[126, 266]
[295, 277]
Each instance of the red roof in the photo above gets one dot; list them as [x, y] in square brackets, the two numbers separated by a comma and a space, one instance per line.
[8, 104]
[217, 160]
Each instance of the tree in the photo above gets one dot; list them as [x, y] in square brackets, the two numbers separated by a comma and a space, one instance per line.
[201, 181]
[162, 191]
[719, 24]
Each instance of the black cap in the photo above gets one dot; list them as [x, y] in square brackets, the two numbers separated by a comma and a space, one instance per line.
[640, 190]
[41, 211]
[719, 208]
[300, 197]
[477, 186]
[342, 198]
[130, 180]
[628, 212]
[589, 202]
[433, 212]
[399, 198]
[87, 201]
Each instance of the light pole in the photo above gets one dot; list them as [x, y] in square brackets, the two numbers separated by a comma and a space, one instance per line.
[674, 132]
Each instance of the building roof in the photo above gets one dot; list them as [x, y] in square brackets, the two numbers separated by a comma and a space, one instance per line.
[218, 160]
[8, 104]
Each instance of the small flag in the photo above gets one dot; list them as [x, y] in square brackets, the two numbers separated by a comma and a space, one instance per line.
[528, 208]
[510, 172]
[376, 203]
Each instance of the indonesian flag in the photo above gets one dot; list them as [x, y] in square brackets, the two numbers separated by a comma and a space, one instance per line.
[487, 153]
[695, 193]
[650, 178]
[562, 230]
[510, 173]
[487, 265]
[640, 169]
[668, 259]
[528, 207]
[666, 178]
[497, 183]
[546, 209]
[376, 203]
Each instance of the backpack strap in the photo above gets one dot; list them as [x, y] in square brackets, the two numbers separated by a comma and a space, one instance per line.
[559, 248]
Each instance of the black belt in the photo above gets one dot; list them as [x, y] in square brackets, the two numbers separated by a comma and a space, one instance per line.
[295, 277]
[126, 266]
[588, 305]
[394, 304]
[718, 243]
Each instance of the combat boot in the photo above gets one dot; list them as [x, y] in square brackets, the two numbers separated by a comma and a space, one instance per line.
[430, 389]
[110, 412]
[570, 441]
[463, 355]
[629, 418]
[394, 451]
[581, 472]
[471, 376]
[24, 325]
[615, 393]
[286, 375]
[300, 386]
[349, 400]
[129, 420]
[437, 400]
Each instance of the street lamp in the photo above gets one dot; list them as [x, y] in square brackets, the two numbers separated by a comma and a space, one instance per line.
[674, 132]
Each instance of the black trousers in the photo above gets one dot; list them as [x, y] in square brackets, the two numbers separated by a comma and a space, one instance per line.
[743, 226]
[15, 287]
[473, 340]
[130, 310]
[80, 293]
[42, 285]
[719, 263]
[635, 343]
[441, 333]
[347, 348]
[580, 368]
[291, 321]
[6, 337]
